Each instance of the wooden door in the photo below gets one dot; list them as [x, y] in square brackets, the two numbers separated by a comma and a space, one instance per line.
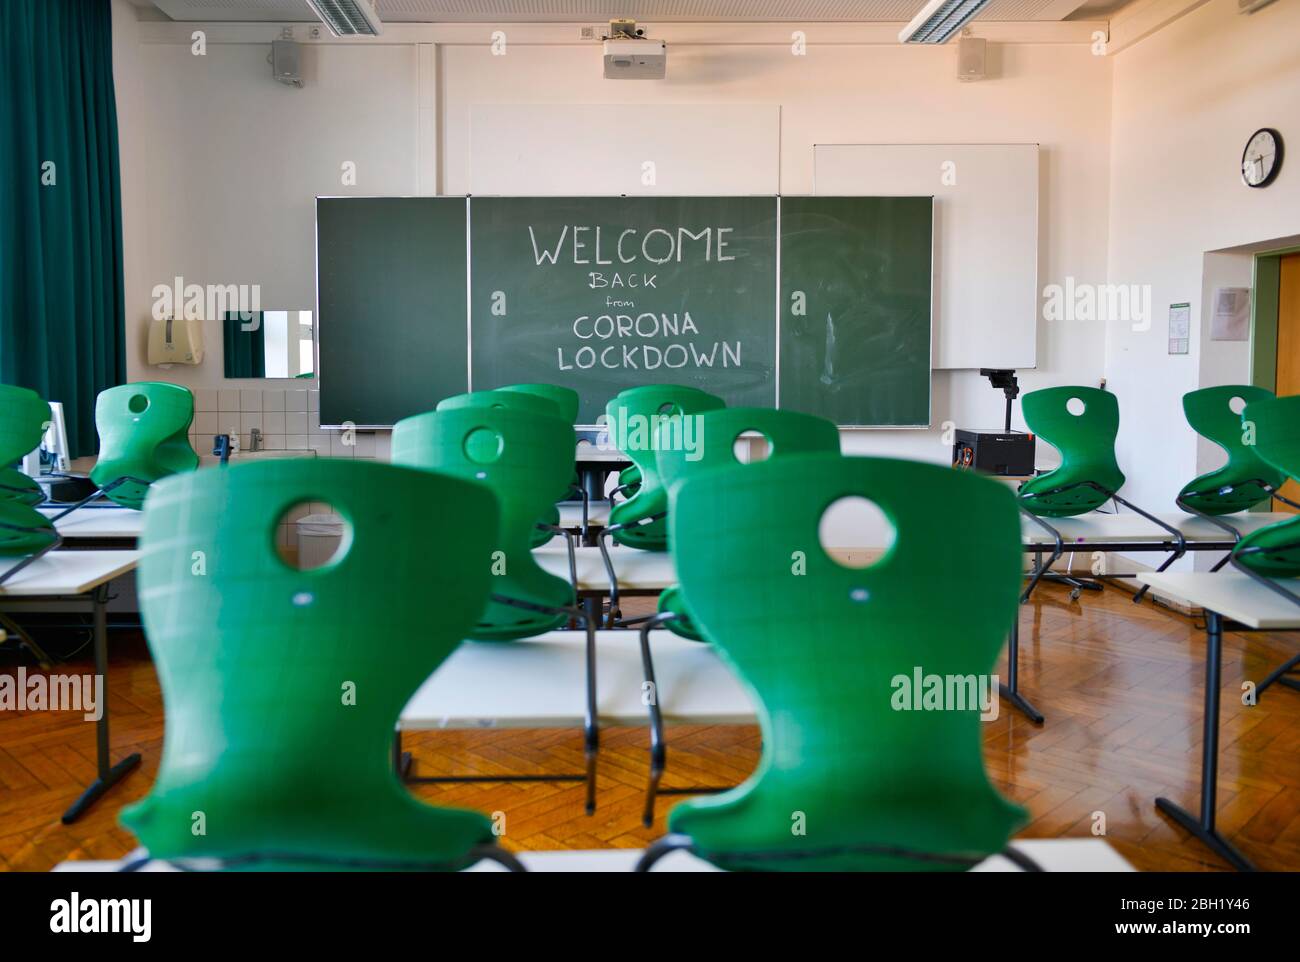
[1288, 348]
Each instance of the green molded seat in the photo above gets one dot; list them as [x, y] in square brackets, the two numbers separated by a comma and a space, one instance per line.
[143, 437]
[540, 402]
[635, 418]
[1274, 551]
[564, 398]
[24, 530]
[787, 433]
[23, 416]
[825, 651]
[1087, 445]
[282, 687]
[1246, 479]
[521, 456]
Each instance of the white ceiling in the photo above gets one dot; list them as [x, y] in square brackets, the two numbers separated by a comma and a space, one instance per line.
[596, 11]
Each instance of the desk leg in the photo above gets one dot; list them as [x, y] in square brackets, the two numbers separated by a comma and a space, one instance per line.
[593, 482]
[109, 774]
[1011, 689]
[1204, 827]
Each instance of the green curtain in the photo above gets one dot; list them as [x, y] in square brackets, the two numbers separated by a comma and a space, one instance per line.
[245, 350]
[62, 314]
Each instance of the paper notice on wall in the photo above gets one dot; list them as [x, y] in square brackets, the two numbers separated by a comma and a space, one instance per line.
[1231, 321]
[1180, 328]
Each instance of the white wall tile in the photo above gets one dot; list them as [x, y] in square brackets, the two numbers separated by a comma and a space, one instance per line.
[295, 422]
[295, 400]
[365, 446]
[272, 400]
[313, 400]
[206, 399]
[250, 400]
[228, 400]
[205, 422]
[273, 422]
[295, 442]
[249, 420]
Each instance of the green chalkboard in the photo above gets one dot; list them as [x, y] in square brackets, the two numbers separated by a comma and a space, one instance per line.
[390, 274]
[855, 308]
[601, 294]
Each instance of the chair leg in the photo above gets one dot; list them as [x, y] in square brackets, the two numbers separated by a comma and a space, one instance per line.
[664, 846]
[1279, 675]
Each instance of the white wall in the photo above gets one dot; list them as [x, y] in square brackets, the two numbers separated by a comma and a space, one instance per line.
[1057, 95]
[1186, 99]
[226, 164]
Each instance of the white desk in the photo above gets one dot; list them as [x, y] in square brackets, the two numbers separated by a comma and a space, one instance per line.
[1053, 854]
[1238, 597]
[75, 574]
[540, 683]
[637, 571]
[571, 513]
[1231, 594]
[1128, 527]
[62, 574]
[104, 524]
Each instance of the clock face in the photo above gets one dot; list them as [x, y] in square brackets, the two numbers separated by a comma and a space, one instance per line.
[1262, 158]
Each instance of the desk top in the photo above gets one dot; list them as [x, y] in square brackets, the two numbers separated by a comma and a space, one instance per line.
[571, 513]
[541, 683]
[636, 570]
[1232, 594]
[1053, 854]
[66, 573]
[1096, 526]
[101, 523]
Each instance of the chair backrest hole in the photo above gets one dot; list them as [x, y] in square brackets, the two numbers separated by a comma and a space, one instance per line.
[483, 445]
[310, 535]
[1076, 406]
[1236, 405]
[138, 404]
[669, 408]
[855, 533]
[751, 447]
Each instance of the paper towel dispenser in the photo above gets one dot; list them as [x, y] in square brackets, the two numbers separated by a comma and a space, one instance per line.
[175, 341]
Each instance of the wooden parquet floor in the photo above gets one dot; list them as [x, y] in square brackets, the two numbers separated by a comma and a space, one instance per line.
[1121, 687]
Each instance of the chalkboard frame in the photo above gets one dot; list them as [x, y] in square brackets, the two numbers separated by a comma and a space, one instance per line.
[777, 310]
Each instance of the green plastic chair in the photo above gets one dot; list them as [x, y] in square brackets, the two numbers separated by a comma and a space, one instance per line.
[280, 710]
[1088, 475]
[564, 398]
[23, 416]
[787, 433]
[1274, 551]
[1246, 479]
[552, 402]
[24, 531]
[639, 521]
[522, 457]
[143, 437]
[846, 781]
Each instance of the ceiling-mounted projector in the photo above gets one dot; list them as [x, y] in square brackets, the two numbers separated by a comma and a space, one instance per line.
[630, 55]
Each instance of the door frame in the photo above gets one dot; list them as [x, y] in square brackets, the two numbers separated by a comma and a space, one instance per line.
[1266, 287]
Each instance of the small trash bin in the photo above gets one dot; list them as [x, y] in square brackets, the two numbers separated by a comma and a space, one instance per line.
[319, 536]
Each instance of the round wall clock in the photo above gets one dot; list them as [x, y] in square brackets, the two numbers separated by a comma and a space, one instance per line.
[1262, 158]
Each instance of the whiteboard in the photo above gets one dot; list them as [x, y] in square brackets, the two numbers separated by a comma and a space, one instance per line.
[985, 237]
[582, 150]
